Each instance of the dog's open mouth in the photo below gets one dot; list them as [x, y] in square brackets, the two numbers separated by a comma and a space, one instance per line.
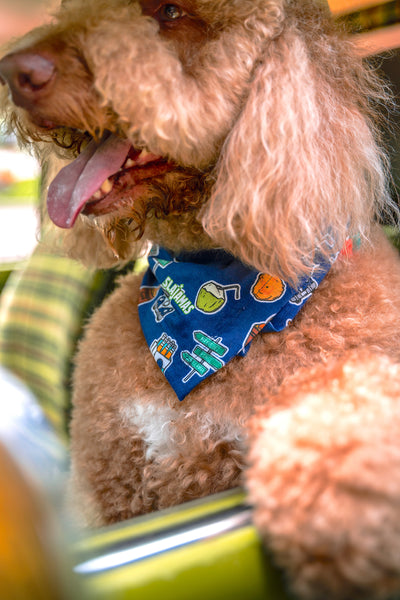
[101, 176]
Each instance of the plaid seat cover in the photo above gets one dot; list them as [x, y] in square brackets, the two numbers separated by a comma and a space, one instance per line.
[42, 310]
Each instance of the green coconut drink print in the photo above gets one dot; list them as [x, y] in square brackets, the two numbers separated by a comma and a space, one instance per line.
[212, 296]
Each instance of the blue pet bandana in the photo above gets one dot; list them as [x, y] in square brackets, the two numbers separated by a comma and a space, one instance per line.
[198, 311]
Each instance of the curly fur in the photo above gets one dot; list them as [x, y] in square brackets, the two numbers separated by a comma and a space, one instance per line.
[269, 122]
[330, 428]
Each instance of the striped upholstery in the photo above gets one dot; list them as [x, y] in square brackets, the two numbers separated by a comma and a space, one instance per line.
[42, 309]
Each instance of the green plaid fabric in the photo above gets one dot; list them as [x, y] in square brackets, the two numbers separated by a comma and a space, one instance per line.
[42, 310]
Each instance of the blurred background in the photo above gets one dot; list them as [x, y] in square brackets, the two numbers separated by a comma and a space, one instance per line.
[19, 172]
[376, 26]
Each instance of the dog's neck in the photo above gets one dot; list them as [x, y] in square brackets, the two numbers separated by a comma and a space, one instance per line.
[179, 233]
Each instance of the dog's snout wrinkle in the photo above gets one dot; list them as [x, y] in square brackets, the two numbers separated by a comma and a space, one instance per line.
[28, 75]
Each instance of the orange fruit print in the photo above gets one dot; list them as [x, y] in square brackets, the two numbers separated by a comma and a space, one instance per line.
[268, 288]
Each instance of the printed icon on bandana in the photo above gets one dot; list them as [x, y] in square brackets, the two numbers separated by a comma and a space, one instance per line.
[253, 331]
[162, 307]
[304, 292]
[163, 351]
[205, 355]
[268, 288]
[159, 262]
[212, 297]
[176, 293]
[147, 293]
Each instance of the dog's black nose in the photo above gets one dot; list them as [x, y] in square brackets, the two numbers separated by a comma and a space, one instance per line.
[28, 75]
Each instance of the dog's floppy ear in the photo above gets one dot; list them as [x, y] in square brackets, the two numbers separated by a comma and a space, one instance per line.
[302, 161]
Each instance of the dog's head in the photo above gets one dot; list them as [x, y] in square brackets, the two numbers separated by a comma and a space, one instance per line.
[237, 123]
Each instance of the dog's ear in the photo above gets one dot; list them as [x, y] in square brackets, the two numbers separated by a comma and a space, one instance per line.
[302, 160]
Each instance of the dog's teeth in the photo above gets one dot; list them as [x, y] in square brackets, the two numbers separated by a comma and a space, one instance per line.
[97, 195]
[129, 163]
[144, 154]
[106, 186]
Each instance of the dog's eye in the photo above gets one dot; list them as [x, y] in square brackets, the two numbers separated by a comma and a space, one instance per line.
[170, 12]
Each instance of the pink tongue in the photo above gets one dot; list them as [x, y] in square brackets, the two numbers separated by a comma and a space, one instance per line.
[78, 181]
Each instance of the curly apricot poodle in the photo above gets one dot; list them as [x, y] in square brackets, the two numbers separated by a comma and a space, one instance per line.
[239, 140]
